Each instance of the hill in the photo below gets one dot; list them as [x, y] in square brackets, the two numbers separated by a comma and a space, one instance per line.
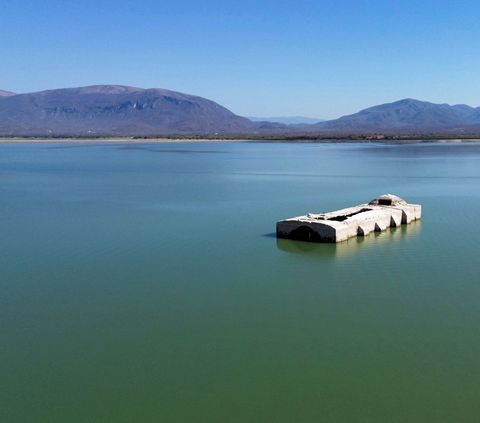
[405, 116]
[115, 110]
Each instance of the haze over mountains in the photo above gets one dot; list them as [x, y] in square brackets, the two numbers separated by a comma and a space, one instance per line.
[287, 120]
[128, 111]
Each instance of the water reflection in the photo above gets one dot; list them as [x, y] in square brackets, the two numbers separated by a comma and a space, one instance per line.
[352, 245]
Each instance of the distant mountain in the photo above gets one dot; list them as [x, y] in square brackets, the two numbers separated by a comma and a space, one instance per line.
[6, 93]
[115, 110]
[405, 116]
[123, 111]
[288, 120]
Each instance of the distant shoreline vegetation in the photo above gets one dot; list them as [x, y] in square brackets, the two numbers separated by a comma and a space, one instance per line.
[319, 138]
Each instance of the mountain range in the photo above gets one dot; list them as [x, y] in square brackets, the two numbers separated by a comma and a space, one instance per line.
[128, 111]
[115, 110]
[406, 115]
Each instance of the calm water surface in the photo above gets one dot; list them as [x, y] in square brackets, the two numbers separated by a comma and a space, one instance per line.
[143, 283]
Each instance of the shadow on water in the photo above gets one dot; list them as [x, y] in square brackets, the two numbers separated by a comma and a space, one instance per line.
[375, 240]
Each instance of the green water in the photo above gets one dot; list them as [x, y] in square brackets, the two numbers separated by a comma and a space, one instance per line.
[143, 283]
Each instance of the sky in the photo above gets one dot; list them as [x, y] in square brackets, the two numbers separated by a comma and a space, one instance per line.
[322, 59]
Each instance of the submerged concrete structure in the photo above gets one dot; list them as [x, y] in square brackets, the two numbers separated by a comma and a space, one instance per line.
[381, 213]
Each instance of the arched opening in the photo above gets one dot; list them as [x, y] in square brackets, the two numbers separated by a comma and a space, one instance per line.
[304, 233]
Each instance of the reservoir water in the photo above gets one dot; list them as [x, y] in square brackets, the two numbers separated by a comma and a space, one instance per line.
[144, 283]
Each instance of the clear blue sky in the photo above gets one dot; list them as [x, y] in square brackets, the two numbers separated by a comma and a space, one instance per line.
[257, 58]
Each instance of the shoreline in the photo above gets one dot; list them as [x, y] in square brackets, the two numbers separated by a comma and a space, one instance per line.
[238, 140]
[104, 140]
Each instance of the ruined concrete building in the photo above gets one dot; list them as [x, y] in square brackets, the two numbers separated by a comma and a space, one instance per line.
[381, 213]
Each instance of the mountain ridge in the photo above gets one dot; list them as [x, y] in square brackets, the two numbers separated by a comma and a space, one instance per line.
[116, 110]
[120, 110]
[405, 115]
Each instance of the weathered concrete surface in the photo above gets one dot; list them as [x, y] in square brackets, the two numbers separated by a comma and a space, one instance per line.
[381, 213]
